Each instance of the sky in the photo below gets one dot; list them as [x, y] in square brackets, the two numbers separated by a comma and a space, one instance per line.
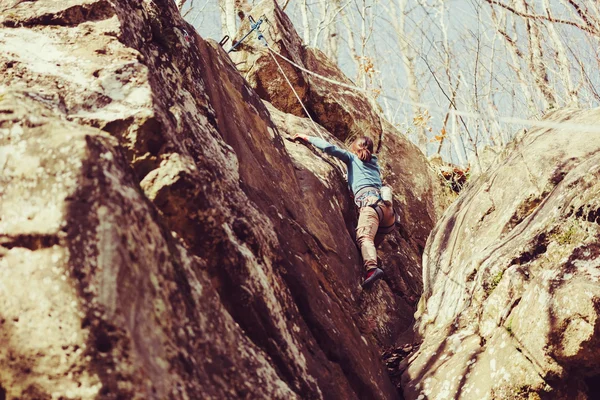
[490, 96]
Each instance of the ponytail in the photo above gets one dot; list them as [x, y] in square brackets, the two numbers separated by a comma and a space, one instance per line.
[363, 148]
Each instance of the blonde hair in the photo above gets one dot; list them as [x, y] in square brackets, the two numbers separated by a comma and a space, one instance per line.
[363, 148]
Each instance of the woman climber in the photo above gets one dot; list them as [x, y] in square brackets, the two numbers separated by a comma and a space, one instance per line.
[376, 214]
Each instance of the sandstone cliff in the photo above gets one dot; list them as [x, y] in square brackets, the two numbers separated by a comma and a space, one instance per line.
[159, 236]
[511, 277]
[345, 114]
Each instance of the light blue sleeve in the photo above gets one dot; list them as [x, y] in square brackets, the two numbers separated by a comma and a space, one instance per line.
[331, 149]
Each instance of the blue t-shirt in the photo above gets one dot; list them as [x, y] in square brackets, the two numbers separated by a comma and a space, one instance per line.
[361, 174]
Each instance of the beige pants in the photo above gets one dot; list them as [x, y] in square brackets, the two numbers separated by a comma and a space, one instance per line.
[368, 232]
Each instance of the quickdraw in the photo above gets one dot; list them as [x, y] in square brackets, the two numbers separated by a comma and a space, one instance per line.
[254, 25]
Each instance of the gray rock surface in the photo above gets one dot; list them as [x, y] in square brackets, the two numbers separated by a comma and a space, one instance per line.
[511, 277]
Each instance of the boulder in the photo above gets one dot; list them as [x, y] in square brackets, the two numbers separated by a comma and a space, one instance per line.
[511, 276]
[381, 312]
[161, 236]
[342, 111]
[99, 300]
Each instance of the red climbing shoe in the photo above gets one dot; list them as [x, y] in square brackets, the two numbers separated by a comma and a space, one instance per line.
[372, 276]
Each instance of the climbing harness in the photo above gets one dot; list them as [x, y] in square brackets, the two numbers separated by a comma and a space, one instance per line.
[367, 197]
[377, 199]
[373, 197]
[254, 25]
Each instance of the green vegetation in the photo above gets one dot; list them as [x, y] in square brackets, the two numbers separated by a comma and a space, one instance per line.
[567, 236]
[494, 282]
[508, 326]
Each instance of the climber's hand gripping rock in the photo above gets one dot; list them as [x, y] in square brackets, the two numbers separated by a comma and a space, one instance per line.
[300, 137]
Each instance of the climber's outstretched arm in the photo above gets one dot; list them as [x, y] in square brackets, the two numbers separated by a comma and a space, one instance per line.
[327, 147]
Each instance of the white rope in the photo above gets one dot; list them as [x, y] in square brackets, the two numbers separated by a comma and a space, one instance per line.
[352, 87]
[314, 124]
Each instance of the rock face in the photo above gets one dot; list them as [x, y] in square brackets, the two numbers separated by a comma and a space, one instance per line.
[98, 299]
[342, 111]
[159, 237]
[346, 113]
[511, 277]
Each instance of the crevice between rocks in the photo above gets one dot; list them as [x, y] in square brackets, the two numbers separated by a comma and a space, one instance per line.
[250, 311]
[587, 213]
[29, 241]
[530, 204]
[538, 369]
[524, 210]
[591, 382]
[539, 247]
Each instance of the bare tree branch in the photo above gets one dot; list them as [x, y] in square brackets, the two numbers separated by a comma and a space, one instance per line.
[582, 14]
[285, 4]
[543, 17]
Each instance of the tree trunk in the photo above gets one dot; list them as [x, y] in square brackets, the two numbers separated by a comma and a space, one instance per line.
[330, 43]
[515, 56]
[223, 16]
[408, 56]
[305, 22]
[363, 43]
[536, 57]
[561, 59]
[230, 15]
[351, 40]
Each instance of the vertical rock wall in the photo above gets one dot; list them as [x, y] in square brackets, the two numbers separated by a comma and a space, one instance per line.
[346, 114]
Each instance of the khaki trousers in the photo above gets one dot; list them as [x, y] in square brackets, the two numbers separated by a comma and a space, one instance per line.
[368, 234]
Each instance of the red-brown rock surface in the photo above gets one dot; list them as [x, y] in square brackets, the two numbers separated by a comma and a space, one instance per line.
[159, 237]
[346, 113]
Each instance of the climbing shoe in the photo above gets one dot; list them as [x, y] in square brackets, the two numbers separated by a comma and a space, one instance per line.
[372, 276]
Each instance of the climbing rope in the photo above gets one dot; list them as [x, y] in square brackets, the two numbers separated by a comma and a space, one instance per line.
[255, 26]
[314, 124]
[324, 78]
[574, 127]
